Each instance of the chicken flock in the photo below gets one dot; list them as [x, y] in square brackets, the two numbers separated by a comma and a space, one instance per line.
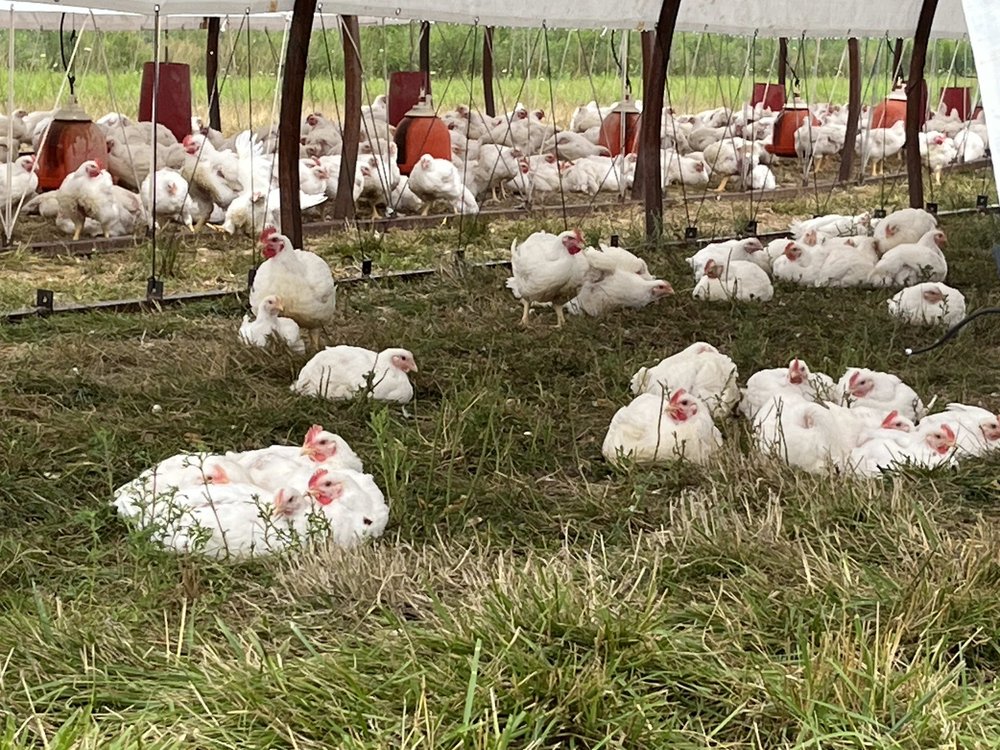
[230, 184]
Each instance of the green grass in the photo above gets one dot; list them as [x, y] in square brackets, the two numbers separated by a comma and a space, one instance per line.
[525, 594]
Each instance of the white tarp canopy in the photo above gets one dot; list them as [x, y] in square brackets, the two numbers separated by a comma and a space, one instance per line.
[792, 18]
[45, 16]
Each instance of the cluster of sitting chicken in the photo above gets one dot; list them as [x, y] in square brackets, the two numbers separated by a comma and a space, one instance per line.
[257, 502]
[865, 423]
[905, 249]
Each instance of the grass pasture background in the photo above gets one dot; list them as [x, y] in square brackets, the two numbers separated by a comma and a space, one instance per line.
[525, 594]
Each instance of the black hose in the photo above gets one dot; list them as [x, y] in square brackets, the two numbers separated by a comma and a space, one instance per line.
[953, 331]
[62, 53]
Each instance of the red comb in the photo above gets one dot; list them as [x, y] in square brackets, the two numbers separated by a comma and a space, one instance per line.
[267, 233]
[313, 432]
[317, 477]
[890, 418]
[678, 395]
[854, 378]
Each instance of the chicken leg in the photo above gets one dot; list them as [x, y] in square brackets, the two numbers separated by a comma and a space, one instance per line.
[314, 339]
[560, 318]
[527, 307]
[817, 163]
[722, 185]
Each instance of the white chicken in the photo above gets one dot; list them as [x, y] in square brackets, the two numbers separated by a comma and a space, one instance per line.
[616, 290]
[172, 199]
[722, 253]
[906, 265]
[977, 430]
[939, 151]
[799, 263]
[338, 372]
[22, 179]
[969, 145]
[831, 225]
[701, 370]
[849, 262]
[926, 447]
[795, 382]
[804, 434]
[928, 304]
[905, 226]
[882, 391]
[737, 280]
[548, 268]
[300, 279]
[659, 428]
[434, 180]
[269, 325]
[283, 465]
[88, 192]
[879, 144]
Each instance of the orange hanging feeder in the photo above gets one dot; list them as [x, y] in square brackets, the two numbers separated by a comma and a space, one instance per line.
[790, 119]
[421, 132]
[625, 116]
[73, 139]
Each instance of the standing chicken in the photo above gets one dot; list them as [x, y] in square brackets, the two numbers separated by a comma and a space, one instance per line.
[548, 268]
[88, 192]
[172, 199]
[434, 180]
[302, 280]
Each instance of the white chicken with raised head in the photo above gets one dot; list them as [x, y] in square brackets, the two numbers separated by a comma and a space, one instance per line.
[437, 180]
[882, 391]
[270, 326]
[701, 370]
[795, 382]
[928, 304]
[660, 428]
[352, 503]
[738, 280]
[905, 226]
[938, 151]
[300, 279]
[910, 264]
[172, 199]
[339, 372]
[279, 465]
[925, 447]
[977, 430]
[800, 263]
[22, 178]
[88, 193]
[548, 268]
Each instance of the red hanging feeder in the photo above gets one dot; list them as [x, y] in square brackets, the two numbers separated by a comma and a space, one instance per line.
[173, 97]
[625, 116]
[791, 118]
[73, 139]
[771, 95]
[893, 108]
[405, 89]
[421, 132]
[957, 98]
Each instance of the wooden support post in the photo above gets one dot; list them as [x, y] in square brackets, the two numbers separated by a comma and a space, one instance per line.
[782, 59]
[652, 107]
[897, 61]
[853, 109]
[488, 100]
[915, 101]
[343, 207]
[289, 124]
[648, 40]
[425, 52]
[212, 72]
